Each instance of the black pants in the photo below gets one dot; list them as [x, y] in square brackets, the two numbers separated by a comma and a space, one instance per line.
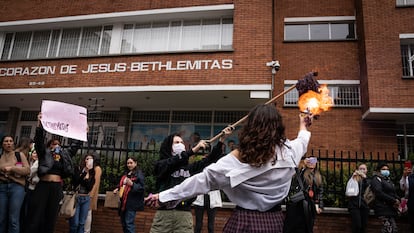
[411, 220]
[300, 217]
[359, 217]
[199, 214]
[43, 207]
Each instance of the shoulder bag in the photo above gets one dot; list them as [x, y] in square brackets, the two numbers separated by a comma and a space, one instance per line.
[300, 195]
[68, 207]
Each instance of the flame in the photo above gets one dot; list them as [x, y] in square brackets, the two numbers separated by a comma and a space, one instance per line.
[315, 102]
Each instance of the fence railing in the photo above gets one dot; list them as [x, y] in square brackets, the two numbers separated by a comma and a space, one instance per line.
[335, 166]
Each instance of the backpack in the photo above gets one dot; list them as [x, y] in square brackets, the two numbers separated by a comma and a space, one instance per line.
[369, 196]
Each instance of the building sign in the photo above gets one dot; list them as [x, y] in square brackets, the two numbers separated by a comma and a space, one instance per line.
[140, 66]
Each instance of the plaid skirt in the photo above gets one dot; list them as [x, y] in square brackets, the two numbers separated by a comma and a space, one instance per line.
[251, 221]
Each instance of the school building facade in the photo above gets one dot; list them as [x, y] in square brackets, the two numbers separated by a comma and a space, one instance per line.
[147, 68]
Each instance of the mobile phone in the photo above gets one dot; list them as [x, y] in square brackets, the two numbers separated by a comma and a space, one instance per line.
[407, 164]
[89, 164]
[313, 160]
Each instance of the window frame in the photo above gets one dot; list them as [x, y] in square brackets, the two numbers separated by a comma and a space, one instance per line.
[404, 3]
[115, 19]
[310, 22]
[196, 27]
[291, 98]
[407, 55]
[57, 40]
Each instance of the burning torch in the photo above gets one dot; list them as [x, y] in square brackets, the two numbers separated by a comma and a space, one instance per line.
[313, 99]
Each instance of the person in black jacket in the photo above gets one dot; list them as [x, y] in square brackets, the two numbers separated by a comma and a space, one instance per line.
[300, 216]
[171, 169]
[44, 205]
[131, 192]
[386, 199]
[357, 206]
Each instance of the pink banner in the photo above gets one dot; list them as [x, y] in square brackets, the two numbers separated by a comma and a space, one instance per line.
[64, 119]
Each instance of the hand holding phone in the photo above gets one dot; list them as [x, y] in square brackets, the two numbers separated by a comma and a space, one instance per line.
[89, 164]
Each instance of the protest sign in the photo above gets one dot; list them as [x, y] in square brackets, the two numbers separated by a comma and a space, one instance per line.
[64, 119]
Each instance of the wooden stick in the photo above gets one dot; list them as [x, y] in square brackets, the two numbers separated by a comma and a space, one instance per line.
[245, 117]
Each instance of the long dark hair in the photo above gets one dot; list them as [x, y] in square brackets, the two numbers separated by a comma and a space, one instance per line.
[135, 169]
[82, 164]
[263, 131]
[4, 138]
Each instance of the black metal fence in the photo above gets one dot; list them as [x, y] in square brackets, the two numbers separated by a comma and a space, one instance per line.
[335, 167]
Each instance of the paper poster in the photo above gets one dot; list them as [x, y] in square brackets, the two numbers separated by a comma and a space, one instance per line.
[64, 119]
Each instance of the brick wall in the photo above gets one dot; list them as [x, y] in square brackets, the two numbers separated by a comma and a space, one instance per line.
[106, 220]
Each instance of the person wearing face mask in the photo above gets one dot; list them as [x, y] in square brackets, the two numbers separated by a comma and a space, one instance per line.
[386, 199]
[44, 206]
[172, 168]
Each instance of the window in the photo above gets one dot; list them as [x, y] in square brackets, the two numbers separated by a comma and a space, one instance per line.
[93, 134]
[320, 28]
[68, 42]
[407, 57]
[25, 131]
[184, 35]
[405, 140]
[109, 136]
[182, 29]
[343, 95]
[153, 126]
[405, 3]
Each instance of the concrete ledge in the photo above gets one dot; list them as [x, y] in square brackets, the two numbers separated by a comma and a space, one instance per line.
[231, 205]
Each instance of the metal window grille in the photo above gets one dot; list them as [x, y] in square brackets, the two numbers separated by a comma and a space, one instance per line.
[191, 116]
[342, 95]
[109, 136]
[103, 116]
[151, 116]
[29, 115]
[215, 117]
[93, 134]
[405, 141]
[407, 56]
[25, 131]
[228, 117]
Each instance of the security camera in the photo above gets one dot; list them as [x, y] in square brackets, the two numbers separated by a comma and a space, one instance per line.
[274, 64]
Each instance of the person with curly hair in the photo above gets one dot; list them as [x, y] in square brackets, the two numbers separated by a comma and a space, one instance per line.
[256, 176]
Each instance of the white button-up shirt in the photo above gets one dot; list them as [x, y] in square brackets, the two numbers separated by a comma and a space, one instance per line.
[254, 188]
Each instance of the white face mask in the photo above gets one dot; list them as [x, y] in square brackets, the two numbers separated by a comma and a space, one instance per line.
[177, 148]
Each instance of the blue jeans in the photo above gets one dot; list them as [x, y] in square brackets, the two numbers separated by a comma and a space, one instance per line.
[11, 200]
[128, 221]
[77, 222]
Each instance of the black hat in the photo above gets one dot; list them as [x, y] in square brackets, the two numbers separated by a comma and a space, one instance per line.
[381, 164]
